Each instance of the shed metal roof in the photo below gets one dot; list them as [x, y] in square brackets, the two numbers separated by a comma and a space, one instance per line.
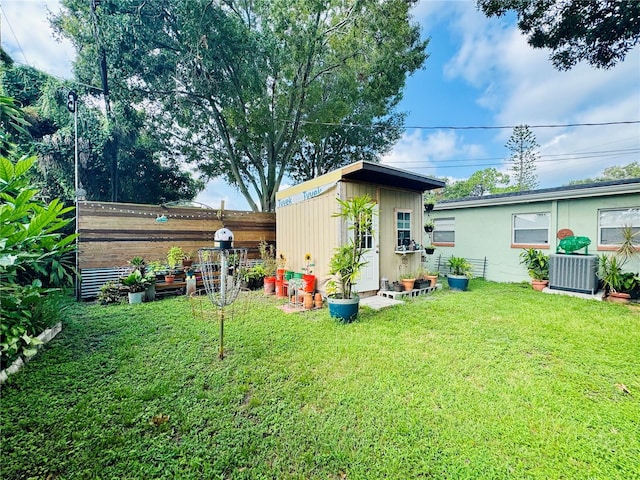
[380, 174]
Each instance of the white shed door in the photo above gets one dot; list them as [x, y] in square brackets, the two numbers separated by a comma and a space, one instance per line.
[370, 273]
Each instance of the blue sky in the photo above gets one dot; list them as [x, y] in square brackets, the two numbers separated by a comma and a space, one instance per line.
[480, 72]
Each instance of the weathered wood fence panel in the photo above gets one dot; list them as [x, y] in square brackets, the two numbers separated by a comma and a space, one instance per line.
[113, 233]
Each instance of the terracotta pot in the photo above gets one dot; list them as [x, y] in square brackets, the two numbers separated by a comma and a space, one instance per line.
[539, 285]
[619, 297]
[317, 300]
[169, 278]
[433, 279]
[407, 283]
[308, 301]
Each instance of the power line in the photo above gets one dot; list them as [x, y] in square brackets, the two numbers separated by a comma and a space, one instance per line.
[14, 35]
[591, 156]
[469, 127]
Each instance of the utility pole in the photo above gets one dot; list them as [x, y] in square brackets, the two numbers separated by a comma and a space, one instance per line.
[107, 104]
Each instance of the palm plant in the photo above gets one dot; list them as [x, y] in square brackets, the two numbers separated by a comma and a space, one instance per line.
[348, 259]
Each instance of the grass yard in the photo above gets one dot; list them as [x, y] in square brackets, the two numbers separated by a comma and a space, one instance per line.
[500, 382]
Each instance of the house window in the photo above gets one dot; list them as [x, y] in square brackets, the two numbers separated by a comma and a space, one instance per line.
[444, 231]
[611, 222]
[530, 229]
[403, 227]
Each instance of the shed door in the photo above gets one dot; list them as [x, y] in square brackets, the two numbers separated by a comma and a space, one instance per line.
[370, 274]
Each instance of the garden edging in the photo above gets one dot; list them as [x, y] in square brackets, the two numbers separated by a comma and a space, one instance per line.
[45, 337]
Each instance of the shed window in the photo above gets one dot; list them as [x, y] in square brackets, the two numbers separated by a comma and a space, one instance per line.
[611, 222]
[403, 227]
[444, 230]
[531, 229]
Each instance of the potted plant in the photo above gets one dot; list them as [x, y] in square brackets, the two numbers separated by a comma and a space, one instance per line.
[537, 264]
[429, 202]
[138, 263]
[268, 257]
[429, 249]
[429, 226]
[425, 278]
[408, 280]
[135, 285]
[348, 259]
[461, 271]
[618, 284]
[174, 258]
[613, 278]
[187, 259]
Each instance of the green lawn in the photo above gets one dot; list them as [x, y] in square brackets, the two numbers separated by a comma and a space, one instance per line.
[498, 382]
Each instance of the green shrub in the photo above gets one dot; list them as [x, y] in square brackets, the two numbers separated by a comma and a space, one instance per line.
[32, 251]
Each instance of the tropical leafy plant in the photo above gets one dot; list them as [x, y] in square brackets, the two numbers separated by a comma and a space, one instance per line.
[536, 262]
[110, 293]
[134, 282]
[32, 250]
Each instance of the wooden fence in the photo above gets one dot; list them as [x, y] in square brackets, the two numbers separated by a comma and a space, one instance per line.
[111, 234]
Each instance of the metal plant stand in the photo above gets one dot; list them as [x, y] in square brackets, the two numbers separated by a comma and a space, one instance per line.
[221, 276]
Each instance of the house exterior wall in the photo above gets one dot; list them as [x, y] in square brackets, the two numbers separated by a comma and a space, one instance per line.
[486, 230]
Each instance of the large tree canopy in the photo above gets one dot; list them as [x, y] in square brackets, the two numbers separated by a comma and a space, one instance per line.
[251, 90]
[48, 133]
[600, 32]
[616, 172]
[482, 182]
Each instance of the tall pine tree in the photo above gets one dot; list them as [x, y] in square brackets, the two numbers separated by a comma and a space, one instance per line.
[523, 147]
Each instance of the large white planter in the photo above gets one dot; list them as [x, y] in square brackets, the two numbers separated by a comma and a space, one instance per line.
[136, 297]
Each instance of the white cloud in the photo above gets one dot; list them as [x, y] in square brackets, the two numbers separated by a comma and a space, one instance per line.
[217, 191]
[422, 153]
[520, 86]
[28, 38]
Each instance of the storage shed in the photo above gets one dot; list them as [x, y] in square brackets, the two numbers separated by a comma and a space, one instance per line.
[305, 223]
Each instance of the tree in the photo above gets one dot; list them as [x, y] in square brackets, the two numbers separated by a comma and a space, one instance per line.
[245, 90]
[615, 172]
[482, 182]
[599, 32]
[48, 132]
[523, 145]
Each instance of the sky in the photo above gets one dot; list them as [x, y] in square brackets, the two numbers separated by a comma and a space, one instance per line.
[480, 73]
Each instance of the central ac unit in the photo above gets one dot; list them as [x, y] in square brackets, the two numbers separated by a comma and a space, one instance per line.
[576, 273]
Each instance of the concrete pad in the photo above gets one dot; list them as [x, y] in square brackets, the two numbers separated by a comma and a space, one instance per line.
[377, 302]
[597, 296]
